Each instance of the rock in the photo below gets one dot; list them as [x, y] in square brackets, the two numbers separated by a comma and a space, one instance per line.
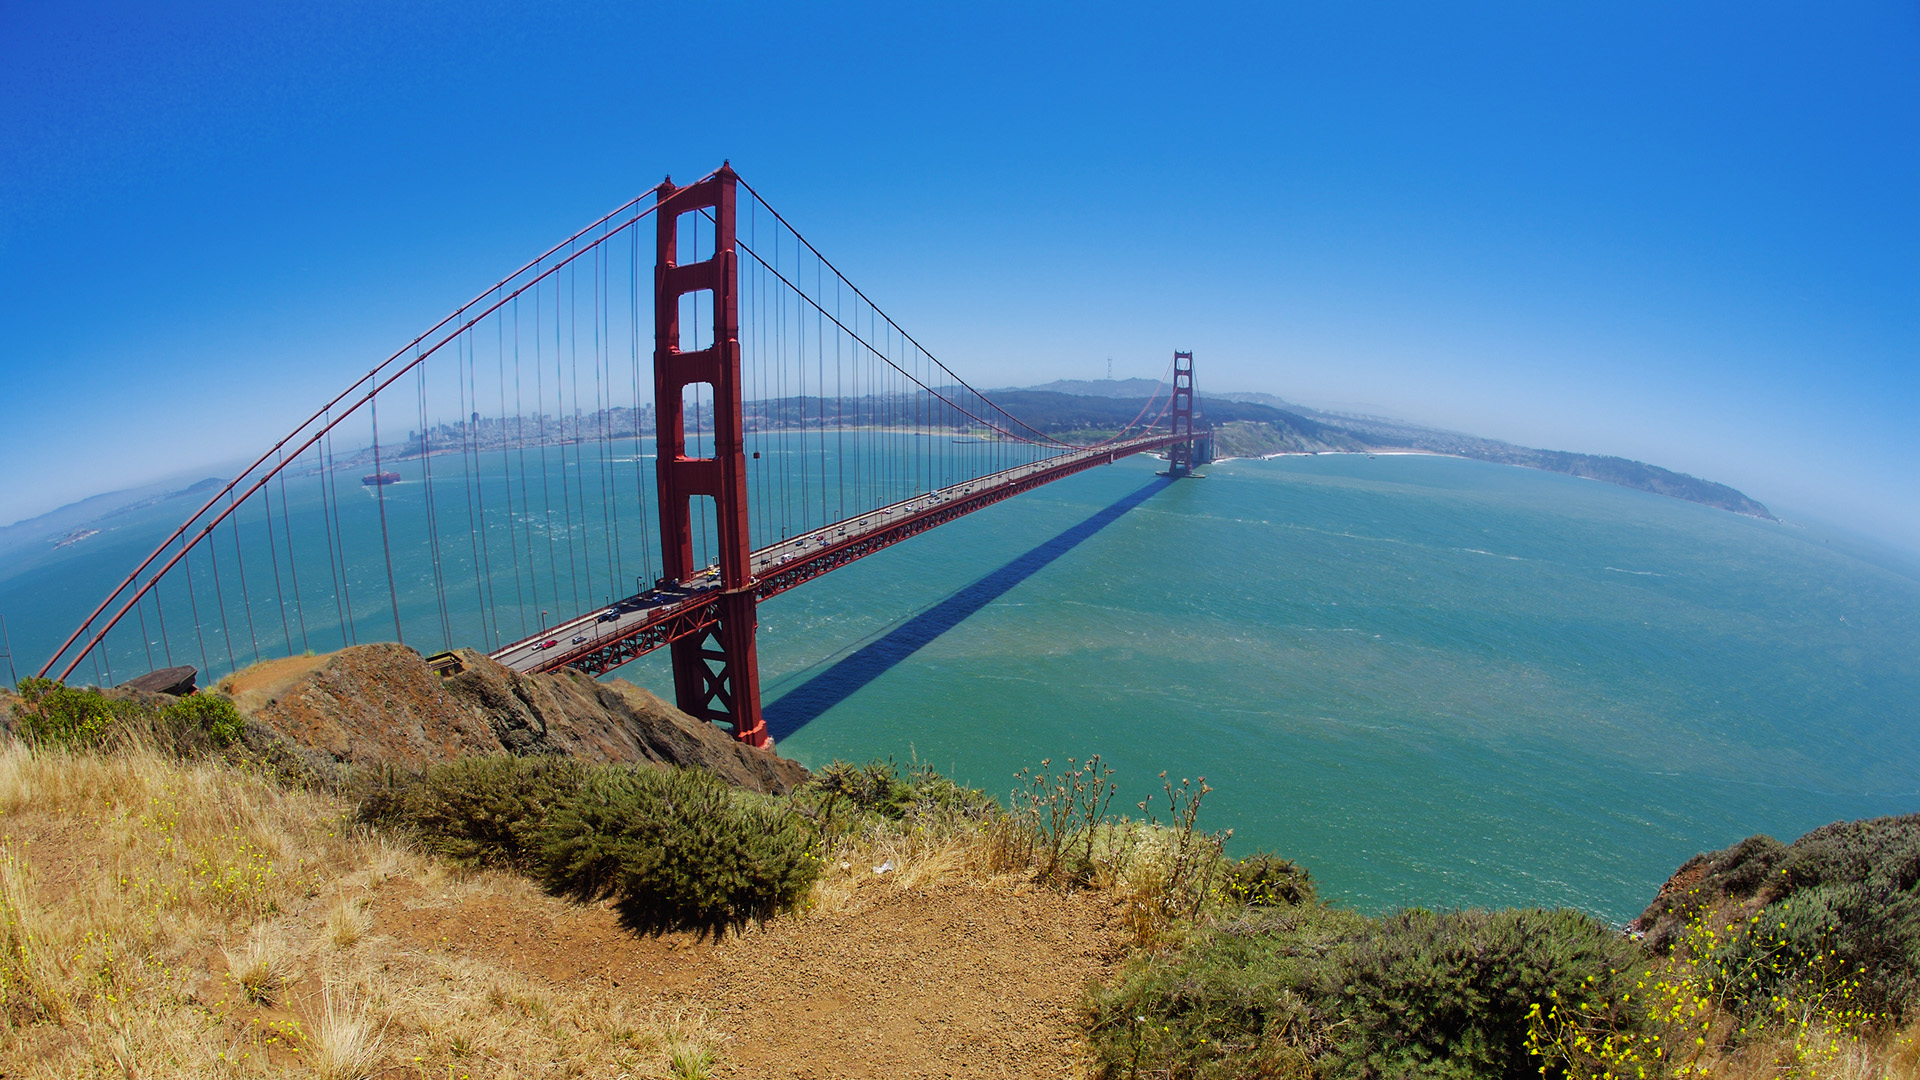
[383, 705]
[177, 681]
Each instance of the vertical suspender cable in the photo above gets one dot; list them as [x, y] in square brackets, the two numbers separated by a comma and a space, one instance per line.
[380, 497]
[520, 445]
[639, 464]
[540, 433]
[246, 599]
[193, 604]
[273, 556]
[477, 501]
[220, 598]
[603, 415]
[145, 642]
[293, 564]
[560, 420]
[839, 410]
[160, 613]
[433, 517]
[800, 381]
[462, 368]
[330, 521]
[506, 460]
[820, 366]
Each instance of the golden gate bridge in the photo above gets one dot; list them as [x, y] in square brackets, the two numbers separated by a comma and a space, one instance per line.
[786, 408]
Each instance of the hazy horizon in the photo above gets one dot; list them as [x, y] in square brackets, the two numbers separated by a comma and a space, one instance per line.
[1683, 236]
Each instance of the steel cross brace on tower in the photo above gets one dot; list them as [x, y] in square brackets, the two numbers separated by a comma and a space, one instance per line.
[716, 674]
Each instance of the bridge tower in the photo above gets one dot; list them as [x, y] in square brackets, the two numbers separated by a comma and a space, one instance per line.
[1180, 455]
[716, 673]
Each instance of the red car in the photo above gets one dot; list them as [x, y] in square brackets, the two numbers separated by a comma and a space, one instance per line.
[546, 645]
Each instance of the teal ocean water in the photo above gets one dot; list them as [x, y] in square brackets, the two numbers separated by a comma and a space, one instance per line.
[1436, 682]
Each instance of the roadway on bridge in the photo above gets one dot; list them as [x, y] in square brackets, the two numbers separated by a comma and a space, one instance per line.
[589, 632]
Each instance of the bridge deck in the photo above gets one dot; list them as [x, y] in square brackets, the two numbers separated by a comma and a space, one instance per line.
[605, 638]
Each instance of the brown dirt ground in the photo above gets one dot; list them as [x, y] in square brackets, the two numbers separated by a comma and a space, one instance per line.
[948, 981]
[953, 980]
[253, 687]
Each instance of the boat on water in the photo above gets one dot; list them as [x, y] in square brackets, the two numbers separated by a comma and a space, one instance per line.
[380, 479]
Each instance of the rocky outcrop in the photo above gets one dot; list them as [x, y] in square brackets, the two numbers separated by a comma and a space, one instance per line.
[383, 705]
[177, 681]
[1877, 859]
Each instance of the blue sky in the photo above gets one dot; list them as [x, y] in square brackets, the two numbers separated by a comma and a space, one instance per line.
[1681, 233]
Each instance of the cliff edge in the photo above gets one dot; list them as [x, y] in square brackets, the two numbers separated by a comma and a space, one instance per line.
[383, 705]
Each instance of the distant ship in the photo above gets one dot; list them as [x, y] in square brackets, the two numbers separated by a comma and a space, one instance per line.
[380, 479]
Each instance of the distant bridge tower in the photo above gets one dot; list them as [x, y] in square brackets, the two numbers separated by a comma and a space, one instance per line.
[1180, 455]
[716, 673]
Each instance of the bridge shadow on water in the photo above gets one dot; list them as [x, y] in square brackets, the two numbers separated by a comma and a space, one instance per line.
[808, 701]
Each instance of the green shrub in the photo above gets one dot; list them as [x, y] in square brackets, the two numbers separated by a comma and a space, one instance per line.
[676, 850]
[1848, 942]
[53, 714]
[840, 794]
[215, 717]
[1448, 994]
[1836, 910]
[1312, 990]
[1264, 880]
[938, 799]
[874, 788]
[481, 811]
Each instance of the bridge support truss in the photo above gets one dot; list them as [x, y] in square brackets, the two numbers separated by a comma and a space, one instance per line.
[716, 673]
[1180, 457]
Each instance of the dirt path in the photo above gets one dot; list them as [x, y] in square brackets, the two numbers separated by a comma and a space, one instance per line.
[948, 981]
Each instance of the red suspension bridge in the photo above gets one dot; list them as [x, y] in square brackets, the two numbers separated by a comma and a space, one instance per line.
[782, 407]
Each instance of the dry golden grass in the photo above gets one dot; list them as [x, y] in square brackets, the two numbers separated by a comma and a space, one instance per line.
[347, 921]
[1815, 1056]
[346, 1045]
[263, 968]
[161, 920]
[1139, 866]
[894, 858]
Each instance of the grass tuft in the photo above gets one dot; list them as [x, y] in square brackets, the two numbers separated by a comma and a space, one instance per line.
[263, 968]
[348, 921]
[32, 986]
[346, 1044]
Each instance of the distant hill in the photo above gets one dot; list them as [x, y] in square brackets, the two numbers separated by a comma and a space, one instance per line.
[1254, 425]
[42, 532]
[1136, 389]
[1626, 472]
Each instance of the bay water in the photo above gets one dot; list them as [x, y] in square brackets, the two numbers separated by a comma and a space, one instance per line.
[1435, 682]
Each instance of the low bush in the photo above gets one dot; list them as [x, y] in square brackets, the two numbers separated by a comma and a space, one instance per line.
[842, 796]
[208, 715]
[479, 811]
[873, 788]
[1311, 990]
[1839, 906]
[1731, 996]
[676, 850]
[1264, 880]
[54, 714]
[1848, 939]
